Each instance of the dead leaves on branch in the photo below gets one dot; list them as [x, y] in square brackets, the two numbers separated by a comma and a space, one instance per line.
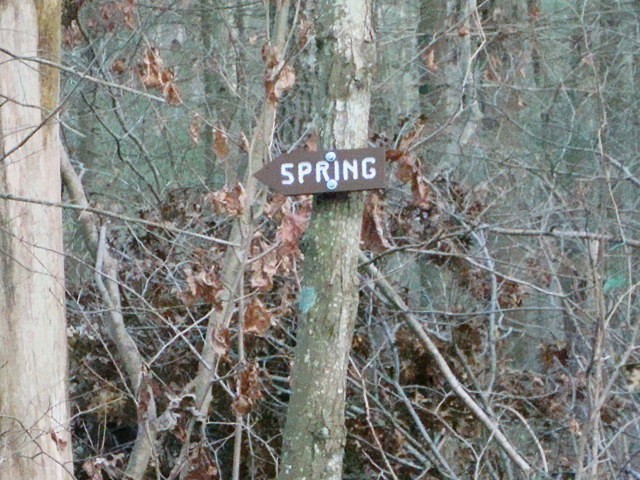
[114, 15]
[279, 76]
[264, 266]
[220, 143]
[409, 170]
[249, 389]
[229, 201]
[294, 220]
[202, 285]
[374, 234]
[221, 342]
[155, 76]
[429, 59]
[195, 128]
[257, 319]
[281, 256]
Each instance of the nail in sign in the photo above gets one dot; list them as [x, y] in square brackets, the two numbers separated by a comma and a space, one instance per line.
[303, 172]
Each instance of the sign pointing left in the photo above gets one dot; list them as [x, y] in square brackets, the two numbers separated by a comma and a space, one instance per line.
[303, 172]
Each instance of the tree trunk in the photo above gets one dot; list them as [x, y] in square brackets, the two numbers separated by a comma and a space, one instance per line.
[314, 435]
[34, 417]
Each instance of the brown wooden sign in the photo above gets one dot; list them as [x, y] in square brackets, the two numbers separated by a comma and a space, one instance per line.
[303, 172]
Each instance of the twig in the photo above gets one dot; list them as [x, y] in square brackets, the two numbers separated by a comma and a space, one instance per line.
[495, 307]
[374, 434]
[83, 76]
[389, 292]
[237, 440]
[543, 457]
[559, 233]
[106, 213]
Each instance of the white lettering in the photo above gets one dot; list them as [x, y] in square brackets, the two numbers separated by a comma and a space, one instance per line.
[285, 172]
[322, 171]
[368, 173]
[350, 167]
[304, 169]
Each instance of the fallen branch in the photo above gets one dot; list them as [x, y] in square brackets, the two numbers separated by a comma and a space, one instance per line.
[390, 293]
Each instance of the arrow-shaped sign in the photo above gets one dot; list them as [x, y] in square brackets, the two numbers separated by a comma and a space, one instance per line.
[303, 172]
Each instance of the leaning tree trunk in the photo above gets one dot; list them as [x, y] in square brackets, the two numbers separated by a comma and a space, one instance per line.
[34, 417]
[314, 436]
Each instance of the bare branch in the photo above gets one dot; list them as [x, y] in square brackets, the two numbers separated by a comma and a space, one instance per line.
[558, 233]
[83, 76]
[389, 292]
[106, 269]
[106, 213]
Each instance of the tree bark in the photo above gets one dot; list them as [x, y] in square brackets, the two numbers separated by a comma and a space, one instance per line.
[34, 413]
[314, 436]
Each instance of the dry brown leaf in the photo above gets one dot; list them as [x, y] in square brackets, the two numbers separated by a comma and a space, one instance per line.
[631, 373]
[534, 13]
[394, 155]
[263, 269]
[257, 319]
[194, 129]
[285, 81]
[279, 77]
[172, 94]
[221, 341]
[413, 135]
[305, 31]
[60, 442]
[274, 205]
[72, 35]
[153, 75]
[373, 233]
[129, 13]
[574, 427]
[242, 405]
[220, 143]
[588, 59]
[294, 223]
[430, 60]
[151, 68]
[408, 168]
[249, 390]
[311, 144]
[421, 193]
[229, 201]
[202, 286]
[111, 464]
[144, 398]
[119, 66]
[245, 146]
[92, 470]
[269, 56]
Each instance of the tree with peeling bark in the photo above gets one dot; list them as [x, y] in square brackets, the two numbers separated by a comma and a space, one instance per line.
[314, 435]
[34, 411]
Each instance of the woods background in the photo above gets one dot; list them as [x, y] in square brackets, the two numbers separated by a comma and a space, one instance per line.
[508, 235]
